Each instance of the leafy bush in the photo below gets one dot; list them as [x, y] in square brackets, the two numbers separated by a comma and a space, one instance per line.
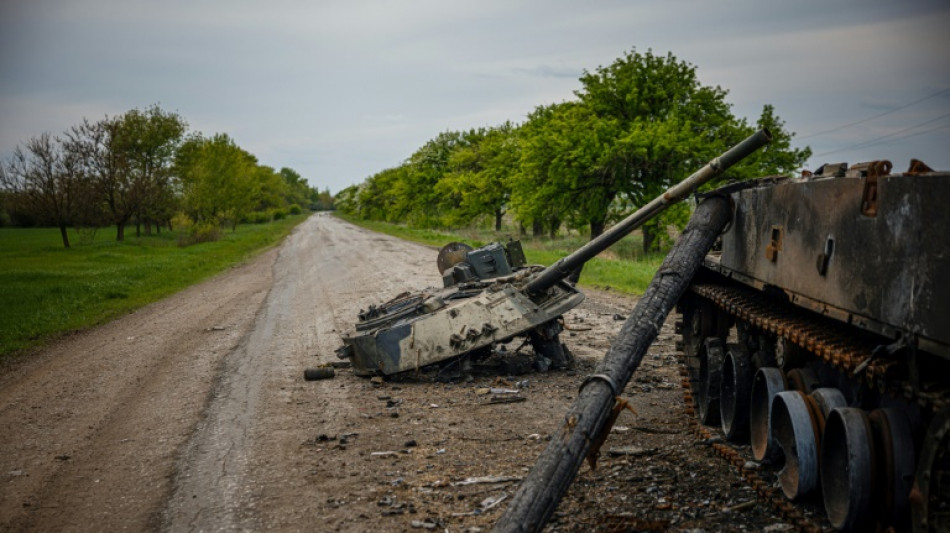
[278, 214]
[257, 217]
[196, 233]
[295, 209]
[182, 222]
[206, 233]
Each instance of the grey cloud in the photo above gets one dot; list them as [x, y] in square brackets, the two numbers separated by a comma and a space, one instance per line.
[341, 89]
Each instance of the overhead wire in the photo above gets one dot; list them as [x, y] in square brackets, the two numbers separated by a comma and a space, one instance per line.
[879, 115]
[876, 140]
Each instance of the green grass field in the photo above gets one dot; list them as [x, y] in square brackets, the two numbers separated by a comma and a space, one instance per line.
[626, 268]
[47, 290]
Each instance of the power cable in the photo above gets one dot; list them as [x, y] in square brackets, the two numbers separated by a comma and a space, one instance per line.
[888, 112]
[870, 142]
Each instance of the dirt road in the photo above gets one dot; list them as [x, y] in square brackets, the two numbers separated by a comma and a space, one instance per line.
[192, 415]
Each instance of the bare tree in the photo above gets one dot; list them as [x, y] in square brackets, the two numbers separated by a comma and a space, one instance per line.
[96, 145]
[48, 178]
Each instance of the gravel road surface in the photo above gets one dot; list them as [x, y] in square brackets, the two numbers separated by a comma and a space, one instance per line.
[192, 414]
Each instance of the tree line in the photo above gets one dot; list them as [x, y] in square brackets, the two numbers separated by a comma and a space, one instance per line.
[144, 168]
[635, 127]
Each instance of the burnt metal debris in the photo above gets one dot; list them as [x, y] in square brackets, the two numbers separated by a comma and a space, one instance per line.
[491, 296]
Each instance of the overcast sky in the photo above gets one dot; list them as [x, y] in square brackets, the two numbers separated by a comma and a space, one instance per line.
[341, 90]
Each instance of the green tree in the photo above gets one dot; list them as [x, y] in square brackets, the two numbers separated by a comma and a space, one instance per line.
[478, 180]
[777, 157]
[270, 190]
[564, 173]
[218, 179]
[347, 200]
[147, 142]
[376, 198]
[298, 191]
[321, 200]
[416, 199]
[665, 121]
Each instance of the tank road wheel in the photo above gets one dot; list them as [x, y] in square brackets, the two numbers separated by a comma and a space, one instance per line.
[734, 393]
[847, 470]
[767, 383]
[700, 319]
[802, 379]
[710, 380]
[794, 429]
[894, 447]
[931, 494]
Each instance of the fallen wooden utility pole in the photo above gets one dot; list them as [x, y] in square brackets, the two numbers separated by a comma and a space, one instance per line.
[541, 491]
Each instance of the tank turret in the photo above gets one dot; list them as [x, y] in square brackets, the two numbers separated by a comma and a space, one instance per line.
[490, 295]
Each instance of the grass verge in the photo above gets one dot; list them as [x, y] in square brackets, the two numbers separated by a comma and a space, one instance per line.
[623, 267]
[47, 290]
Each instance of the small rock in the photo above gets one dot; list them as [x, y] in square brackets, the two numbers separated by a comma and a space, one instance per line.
[383, 454]
[635, 451]
[751, 465]
[411, 443]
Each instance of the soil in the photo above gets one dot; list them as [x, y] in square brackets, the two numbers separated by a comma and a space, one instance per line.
[193, 414]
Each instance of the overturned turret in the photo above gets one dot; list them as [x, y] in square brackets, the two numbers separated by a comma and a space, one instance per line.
[490, 295]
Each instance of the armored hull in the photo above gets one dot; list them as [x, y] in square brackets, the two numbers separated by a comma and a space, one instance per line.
[442, 324]
[819, 332]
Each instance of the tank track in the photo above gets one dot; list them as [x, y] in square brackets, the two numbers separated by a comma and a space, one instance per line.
[844, 351]
[762, 487]
[847, 351]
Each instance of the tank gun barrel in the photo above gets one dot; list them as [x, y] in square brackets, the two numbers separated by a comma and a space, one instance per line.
[564, 266]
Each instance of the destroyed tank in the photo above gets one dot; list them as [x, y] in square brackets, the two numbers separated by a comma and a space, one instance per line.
[818, 332]
[491, 296]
